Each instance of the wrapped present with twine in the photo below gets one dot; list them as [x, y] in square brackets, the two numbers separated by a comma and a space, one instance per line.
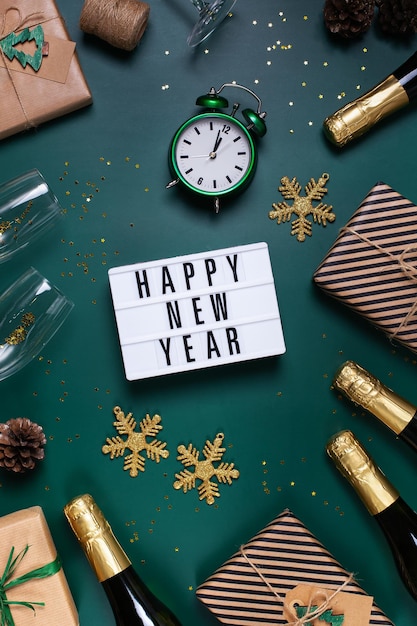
[372, 266]
[284, 575]
[33, 586]
[40, 75]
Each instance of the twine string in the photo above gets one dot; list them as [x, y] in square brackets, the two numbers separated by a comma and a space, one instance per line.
[21, 21]
[311, 615]
[120, 23]
[409, 271]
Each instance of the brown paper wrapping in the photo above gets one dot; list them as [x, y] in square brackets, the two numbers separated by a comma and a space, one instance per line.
[29, 98]
[29, 527]
[287, 554]
[372, 266]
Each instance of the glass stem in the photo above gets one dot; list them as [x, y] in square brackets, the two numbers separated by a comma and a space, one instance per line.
[200, 5]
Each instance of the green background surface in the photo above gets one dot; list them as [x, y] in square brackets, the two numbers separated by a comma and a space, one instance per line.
[108, 165]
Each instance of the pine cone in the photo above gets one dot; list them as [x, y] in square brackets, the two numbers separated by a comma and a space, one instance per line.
[21, 444]
[348, 18]
[397, 17]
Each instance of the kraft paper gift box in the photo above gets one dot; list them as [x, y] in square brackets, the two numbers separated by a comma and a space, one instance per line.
[32, 32]
[28, 527]
[283, 565]
[372, 266]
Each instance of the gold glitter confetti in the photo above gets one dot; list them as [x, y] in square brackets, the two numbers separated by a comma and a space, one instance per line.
[204, 470]
[135, 441]
[19, 334]
[302, 206]
[7, 224]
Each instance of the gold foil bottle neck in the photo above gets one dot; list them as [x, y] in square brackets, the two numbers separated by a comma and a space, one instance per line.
[106, 556]
[368, 392]
[358, 116]
[355, 464]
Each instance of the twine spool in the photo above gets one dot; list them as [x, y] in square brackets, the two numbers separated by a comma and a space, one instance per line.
[119, 22]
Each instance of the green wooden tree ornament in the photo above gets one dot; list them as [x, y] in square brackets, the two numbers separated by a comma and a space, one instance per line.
[8, 46]
[326, 617]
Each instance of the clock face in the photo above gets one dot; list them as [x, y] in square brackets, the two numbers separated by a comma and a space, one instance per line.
[213, 154]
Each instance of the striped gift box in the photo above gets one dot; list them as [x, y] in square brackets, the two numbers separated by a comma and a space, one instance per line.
[372, 266]
[251, 586]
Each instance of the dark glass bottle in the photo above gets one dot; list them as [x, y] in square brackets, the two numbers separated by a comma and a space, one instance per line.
[396, 519]
[132, 602]
[368, 392]
[358, 116]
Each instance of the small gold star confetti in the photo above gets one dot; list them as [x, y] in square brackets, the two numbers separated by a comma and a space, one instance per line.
[135, 441]
[204, 470]
[302, 206]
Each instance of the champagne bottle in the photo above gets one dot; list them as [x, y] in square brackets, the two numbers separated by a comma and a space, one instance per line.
[358, 116]
[368, 392]
[133, 604]
[396, 519]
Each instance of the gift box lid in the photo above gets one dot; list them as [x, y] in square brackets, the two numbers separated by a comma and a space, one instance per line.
[250, 588]
[372, 265]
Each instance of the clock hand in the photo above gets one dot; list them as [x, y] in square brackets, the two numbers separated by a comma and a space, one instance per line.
[213, 153]
[216, 143]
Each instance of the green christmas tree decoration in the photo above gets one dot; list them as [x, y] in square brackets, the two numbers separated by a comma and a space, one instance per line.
[8, 46]
[327, 616]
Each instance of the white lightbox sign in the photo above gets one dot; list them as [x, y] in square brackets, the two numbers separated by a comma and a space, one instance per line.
[196, 311]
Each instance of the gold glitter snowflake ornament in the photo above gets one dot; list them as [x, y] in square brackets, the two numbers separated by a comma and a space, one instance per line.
[136, 441]
[204, 470]
[302, 206]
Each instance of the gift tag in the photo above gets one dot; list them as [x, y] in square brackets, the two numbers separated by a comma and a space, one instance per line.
[53, 66]
[343, 609]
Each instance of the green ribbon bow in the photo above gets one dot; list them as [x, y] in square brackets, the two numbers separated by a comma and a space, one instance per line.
[6, 618]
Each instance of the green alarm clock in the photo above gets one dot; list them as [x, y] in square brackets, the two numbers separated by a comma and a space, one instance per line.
[213, 154]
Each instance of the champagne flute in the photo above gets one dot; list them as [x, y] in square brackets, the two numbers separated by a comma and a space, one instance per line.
[211, 14]
[28, 209]
[31, 311]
